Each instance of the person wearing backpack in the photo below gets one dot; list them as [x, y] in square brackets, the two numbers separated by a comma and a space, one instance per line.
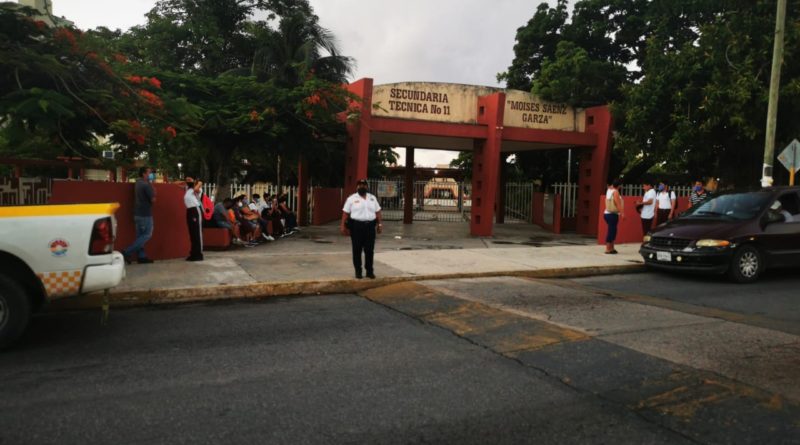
[667, 202]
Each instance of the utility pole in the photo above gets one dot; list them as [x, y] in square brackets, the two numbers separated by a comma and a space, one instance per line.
[774, 88]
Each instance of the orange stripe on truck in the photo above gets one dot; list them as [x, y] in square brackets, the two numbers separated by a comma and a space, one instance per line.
[58, 210]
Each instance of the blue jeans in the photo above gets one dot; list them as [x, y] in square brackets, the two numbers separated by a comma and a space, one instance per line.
[144, 231]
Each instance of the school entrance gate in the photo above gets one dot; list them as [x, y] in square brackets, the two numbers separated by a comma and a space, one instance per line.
[489, 122]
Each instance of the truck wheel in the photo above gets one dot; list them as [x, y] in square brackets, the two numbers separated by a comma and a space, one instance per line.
[746, 265]
[15, 311]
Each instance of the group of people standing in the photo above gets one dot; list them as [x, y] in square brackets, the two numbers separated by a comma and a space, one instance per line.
[657, 206]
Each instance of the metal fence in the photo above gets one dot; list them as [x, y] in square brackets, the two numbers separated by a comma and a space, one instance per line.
[262, 189]
[25, 191]
[447, 200]
[569, 195]
[638, 190]
[569, 198]
[434, 200]
[519, 199]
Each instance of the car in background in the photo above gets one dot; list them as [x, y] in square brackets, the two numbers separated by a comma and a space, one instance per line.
[741, 233]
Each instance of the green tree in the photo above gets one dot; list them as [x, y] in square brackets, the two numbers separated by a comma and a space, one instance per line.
[288, 52]
[687, 81]
[60, 90]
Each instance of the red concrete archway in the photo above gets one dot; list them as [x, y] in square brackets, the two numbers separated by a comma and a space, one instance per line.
[485, 131]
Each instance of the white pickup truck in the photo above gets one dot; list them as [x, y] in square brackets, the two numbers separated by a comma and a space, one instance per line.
[51, 252]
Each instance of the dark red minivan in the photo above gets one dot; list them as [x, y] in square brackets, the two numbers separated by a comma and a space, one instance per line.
[741, 233]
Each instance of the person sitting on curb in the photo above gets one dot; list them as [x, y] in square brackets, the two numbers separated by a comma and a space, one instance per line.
[257, 206]
[220, 220]
[248, 224]
[287, 215]
[271, 213]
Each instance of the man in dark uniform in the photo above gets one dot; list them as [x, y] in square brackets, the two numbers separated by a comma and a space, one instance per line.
[361, 217]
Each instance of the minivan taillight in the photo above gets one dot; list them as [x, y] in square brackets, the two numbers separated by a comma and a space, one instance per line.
[102, 241]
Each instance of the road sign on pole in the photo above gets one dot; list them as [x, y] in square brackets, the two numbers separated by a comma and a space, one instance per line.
[790, 158]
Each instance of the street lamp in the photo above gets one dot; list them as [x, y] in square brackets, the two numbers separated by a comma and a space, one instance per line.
[180, 169]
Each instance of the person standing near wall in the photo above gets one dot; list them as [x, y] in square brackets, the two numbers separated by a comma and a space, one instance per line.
[194, 219]
[648, 204]
[613, 213]
[144, 198]
[361, 217]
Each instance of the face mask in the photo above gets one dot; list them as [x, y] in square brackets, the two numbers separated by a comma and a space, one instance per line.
[240, 204]
[697, 188]
[660, 188]
[151, 177]
[362, 191]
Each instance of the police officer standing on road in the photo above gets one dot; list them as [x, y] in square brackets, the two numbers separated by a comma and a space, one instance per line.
[361, 217]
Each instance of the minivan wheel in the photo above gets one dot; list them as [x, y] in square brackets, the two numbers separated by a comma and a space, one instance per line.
[15, 311]
[746, 265]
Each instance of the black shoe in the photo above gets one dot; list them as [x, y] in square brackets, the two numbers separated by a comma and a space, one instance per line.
[127, 259]
[145, 261]
[370, 275]
[358, 275]
[199, 258]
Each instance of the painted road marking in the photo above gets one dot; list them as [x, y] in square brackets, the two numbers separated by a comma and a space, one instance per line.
[700, 405]
[501, 331]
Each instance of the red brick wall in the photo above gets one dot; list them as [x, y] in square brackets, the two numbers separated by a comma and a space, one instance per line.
[327, 205]
[170, 234]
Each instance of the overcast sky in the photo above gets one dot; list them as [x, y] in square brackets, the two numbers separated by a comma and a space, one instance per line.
[457, 41]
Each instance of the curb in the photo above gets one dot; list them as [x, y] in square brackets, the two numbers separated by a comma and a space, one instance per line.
[262, 290]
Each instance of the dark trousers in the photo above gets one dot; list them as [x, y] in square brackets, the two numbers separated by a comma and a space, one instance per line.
[291, 220]
[647, 225]
[362, 236]
[612, 219]
[663, 215]
[193, 222]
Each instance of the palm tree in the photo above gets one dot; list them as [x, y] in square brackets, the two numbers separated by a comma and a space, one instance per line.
[298, 46]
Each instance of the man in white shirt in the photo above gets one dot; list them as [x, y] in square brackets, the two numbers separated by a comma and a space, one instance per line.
[666, 203]
[648, 204]
[361, 216]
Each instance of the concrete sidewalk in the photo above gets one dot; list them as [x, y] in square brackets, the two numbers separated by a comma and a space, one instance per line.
[317, 260]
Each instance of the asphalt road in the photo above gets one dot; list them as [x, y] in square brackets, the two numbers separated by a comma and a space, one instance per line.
[336, 369]
[776, 296]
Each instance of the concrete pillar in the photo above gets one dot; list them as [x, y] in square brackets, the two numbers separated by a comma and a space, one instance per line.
[302, 191]
[357, 146]
[485, 164]
[593, 170]
[408, 188]
[500, 213]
